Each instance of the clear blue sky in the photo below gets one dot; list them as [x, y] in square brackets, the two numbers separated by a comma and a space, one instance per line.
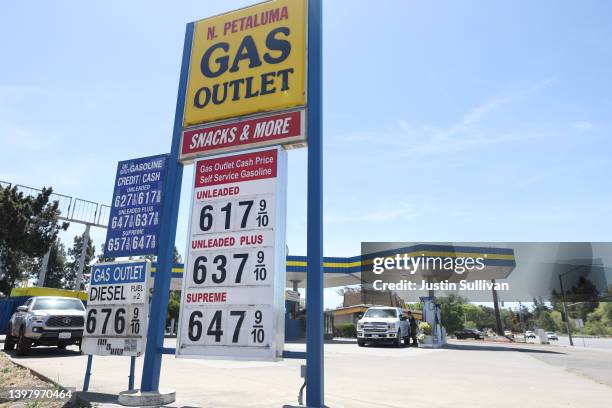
[444, 121]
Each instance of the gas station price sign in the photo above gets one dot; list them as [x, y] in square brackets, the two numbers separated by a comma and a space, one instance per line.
[133, 224]
[117, 309]
[232, 302]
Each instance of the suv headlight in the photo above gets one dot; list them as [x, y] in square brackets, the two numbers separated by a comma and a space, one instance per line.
[360, 326]
[391, 326]
[37, 318]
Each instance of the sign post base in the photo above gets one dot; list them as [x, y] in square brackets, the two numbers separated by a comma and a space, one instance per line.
[137, 398]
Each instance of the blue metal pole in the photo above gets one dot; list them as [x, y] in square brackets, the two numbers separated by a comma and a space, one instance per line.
[132, 369]
[170, 207]
[314, 280]
[87, 373]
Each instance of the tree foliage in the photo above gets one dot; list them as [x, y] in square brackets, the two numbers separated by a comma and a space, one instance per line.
[457, 313]
[72, 266]
[599, 322]
[56, 268]
[28, 227]
[451, 312]
[174, 306]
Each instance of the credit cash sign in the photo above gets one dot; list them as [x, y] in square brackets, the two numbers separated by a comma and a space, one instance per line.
[117, 309]
[247, 80]
[233, 287]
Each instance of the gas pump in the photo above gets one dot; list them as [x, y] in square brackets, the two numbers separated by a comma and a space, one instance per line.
[431, 315]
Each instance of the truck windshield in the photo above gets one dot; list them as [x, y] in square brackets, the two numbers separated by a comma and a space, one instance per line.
[58, 304]
[380, 313]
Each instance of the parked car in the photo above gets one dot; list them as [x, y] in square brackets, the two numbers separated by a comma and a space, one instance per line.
[530, 334]
[508, 333]
[46, 321]
[552, 335]
[381, 324]
[469, 334]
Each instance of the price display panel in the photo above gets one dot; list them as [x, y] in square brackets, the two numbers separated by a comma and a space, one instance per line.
[133, 223]
[232, 303]
[117, 309]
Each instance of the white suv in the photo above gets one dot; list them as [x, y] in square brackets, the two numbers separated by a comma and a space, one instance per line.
[46, 321]
[382, 324]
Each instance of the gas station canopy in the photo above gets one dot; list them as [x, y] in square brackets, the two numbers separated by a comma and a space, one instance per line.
[340, 271]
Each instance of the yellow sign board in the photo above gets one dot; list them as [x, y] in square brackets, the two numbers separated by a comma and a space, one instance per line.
[248, 61]
[42, 291]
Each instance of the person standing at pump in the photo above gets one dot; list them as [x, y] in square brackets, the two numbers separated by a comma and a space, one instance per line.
[413, 329]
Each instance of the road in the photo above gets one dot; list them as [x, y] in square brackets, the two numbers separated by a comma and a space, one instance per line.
[465, 373]
[598, 343]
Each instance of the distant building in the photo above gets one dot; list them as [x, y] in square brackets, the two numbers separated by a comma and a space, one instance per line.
[357, 301]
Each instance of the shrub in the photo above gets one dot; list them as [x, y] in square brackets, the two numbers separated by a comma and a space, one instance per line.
[347, 330]
[425, 328]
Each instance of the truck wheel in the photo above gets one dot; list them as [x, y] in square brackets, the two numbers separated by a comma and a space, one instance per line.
[9, 344]
[398, 340]
[360, 343]
[23, 343]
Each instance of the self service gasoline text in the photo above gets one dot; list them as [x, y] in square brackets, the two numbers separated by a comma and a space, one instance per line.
[243, 170]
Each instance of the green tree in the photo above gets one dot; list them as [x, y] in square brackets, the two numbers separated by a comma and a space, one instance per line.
[451, 312]
[28, 227]
[56, 268]
[478, 316]
[560, 325]
[174, 306]
[599, 322]
[546, 322]
[101, 258]
[176, 257]
[508, 318]
[583, 295]
[72, 266]
[414, 306]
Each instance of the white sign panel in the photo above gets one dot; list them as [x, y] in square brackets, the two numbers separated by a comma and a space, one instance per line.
[117, 309]
[232, 302]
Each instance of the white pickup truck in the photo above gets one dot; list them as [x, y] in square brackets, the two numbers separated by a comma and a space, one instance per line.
[383, 324]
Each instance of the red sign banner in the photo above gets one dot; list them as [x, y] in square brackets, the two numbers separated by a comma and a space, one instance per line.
[277, 129]
[236, 168]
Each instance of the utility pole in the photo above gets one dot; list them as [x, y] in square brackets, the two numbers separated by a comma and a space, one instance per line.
[79, 277]
[500, 329]
[42, 274]
[521, 315]
[567, 322]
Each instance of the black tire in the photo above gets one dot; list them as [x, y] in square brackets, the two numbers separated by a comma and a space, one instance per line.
[23, 344]
[361, 343]
[9, 343]
[398, 340]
